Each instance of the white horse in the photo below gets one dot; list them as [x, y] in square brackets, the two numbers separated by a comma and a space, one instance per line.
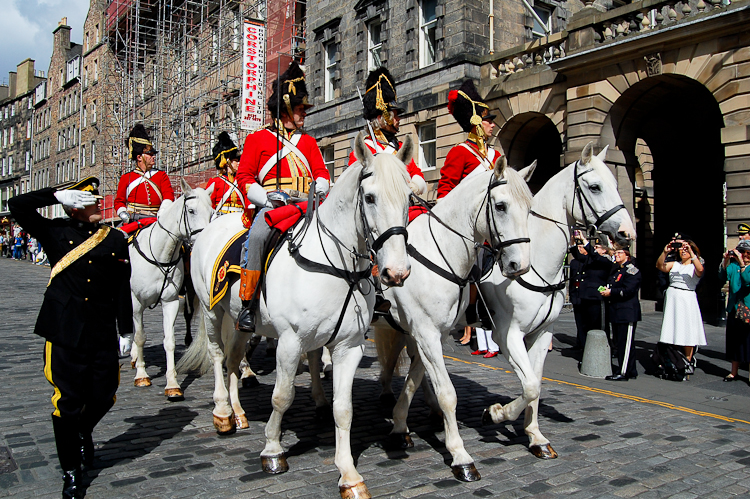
[584, 193]
[306, 306]
[490, 206]
[157, 274]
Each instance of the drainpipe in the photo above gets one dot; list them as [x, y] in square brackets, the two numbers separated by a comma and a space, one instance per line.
[492, 26]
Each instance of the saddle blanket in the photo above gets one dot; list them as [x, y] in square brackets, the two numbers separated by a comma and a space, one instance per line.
[132, 229]
[226, 267]
[415, 211]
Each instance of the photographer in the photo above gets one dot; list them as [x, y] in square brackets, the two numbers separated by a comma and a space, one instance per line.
[592, 266]
[734, 269]
[682, 324]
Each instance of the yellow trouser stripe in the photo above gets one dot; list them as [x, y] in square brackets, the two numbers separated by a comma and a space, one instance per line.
[48, 374]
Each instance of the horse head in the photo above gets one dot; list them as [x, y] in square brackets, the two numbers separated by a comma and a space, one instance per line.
[383, 204]
[597, 202]
[196, 210]
[506, 214]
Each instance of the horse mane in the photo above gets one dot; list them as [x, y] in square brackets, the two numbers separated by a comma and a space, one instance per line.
[390, 174]
[516, 185]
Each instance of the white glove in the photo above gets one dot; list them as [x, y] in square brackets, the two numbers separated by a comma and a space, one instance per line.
[257, 195]
[418, 185]
[125, 217]
[126, 342]
[322, 186]
[75, 199]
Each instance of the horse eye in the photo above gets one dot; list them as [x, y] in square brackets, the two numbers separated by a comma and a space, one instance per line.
[501, 207]
[596, 188]
[369, 199]
[191, 211]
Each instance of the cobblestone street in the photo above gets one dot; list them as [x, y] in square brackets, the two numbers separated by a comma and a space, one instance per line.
[647, 438]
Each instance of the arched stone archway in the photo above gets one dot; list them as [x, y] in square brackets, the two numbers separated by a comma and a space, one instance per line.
[680, 122]
[532, 136]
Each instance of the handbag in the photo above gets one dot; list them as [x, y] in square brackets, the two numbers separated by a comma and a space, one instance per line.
[743, 313]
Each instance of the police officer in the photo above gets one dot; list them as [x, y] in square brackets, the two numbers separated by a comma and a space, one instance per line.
[87, 294]
[140, 192]
[621, 294]
[226, 196]
[743, 231]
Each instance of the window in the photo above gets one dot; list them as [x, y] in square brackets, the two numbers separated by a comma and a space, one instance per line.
[330, 71]
[28, 129]
[10, 165]
[28, 160]
[83, 118]
[427, 146]
[328, 159]
[6, 112]
[96, 31]
[5, 137]
[86, 76]
[13, 109]
[540, 30]
[30, 103]
[427, 28]
[214, 44]
[12, 129]
[86, 47]
[374, 45]
[93, 152]
[83, 156]
[5, 168]
[93, 112]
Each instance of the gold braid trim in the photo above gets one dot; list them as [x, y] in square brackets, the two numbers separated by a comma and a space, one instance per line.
[224, 160]
[292, 87]
[79, 251]
[476, 119]
[295, 164]
[380, 104]
[479, 141]
[137, 140]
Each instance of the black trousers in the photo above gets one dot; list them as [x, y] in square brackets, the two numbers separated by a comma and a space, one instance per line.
[588, 316]
[624, 337]
[85, 383]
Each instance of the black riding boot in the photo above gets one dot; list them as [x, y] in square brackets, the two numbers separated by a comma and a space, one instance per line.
[68, 445]
[246, 317]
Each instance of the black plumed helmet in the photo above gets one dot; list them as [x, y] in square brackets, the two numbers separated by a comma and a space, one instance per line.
[380, 94]
[225, 150]
[139, 142]
[292, 85]
[465, 103]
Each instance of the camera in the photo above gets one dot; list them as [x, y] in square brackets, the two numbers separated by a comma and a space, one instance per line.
[579, 240]
[675, 245]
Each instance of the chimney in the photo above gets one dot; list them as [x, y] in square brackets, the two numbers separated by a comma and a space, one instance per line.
[25, 80]
[62, 36]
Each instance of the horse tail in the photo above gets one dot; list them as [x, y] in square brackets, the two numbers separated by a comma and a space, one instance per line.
[390, 345]
[197, 358]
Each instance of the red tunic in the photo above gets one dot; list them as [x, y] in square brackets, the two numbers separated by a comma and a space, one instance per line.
[459, 163]
[226, 196]
[142, 196]
[412, 167]
[262, 145]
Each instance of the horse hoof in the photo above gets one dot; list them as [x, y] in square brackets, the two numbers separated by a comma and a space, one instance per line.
[224, 424]
[400, 441]
[241, 421]
[174, 394]
[466, 472]
[250, 382]
[487, 418]
[324, 413]
[140, 382]
[274, 464]
[388, 401]
[543, 451]
[356, 491]
[132, 364]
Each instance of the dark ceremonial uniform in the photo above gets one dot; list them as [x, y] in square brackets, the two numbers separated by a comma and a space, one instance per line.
[593, 272]
[624, 282]
[143, 193]
[391, 147]
[226, 197]
[462, 161]
[84, 306]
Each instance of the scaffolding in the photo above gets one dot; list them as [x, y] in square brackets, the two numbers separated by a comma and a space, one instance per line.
[175, 66]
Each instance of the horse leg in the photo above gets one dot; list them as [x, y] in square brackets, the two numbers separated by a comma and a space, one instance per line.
[191, 302]
[400, 433]
[538, 443]
[136, 352]
[223, 420]
[248, 376]
[272, 457]
[429, 395]
[345, 361]
[389, 343]
[322, 409]
[327, 365]
[170, 309]
[234, 348]
[431, 352]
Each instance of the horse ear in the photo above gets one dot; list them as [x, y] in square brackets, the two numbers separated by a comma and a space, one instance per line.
[587, 153]
[362, 152]
[186, 189]
[527, 172]
[603, 153]
[407, 150]
[210, 189]
[500, 165]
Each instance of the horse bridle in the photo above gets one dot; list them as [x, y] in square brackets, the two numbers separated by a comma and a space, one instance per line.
[183, 218]
[578, 193]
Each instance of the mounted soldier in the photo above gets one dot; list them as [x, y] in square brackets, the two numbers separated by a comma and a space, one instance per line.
[141, 191]
[280, 157]
[473, 155]
[226, 197]
[382, 113]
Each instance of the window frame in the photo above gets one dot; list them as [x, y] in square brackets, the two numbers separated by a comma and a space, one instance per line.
[373, 48]
[329, 70]
[422, 163]
[539, 9]
[424, 28]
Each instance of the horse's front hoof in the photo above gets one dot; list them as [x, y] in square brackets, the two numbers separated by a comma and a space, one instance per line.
[250, 382]
[141, 382]
[487, 418]
[357, 491]
[466, 472]
[274, 464]
[224, 424]
[241, 421]
[400, 441]
[387, 401]
[174, 394]
[543, 451]
[324, 413]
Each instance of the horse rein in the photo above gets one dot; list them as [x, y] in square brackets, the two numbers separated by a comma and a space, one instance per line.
[578, 192]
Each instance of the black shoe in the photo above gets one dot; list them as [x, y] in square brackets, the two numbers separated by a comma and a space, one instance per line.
[729, 377]
[87, 450]
[617, 377]
[246, 320]
[72, 488]
[382, 306]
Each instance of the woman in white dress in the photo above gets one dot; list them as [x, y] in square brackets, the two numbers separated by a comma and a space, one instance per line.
[682, 324]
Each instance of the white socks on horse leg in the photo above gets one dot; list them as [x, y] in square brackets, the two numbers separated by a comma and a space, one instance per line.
[485, 342]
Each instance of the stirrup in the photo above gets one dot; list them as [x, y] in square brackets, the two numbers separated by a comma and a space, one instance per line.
[245, 320]
[382, 306]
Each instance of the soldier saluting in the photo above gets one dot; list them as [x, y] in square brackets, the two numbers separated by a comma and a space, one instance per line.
[87, 300]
